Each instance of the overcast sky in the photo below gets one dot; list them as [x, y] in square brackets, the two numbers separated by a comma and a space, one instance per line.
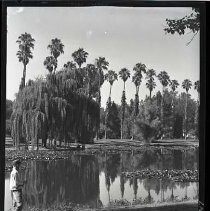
[124, 36]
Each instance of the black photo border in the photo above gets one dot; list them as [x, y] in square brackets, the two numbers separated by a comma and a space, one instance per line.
[118, 3]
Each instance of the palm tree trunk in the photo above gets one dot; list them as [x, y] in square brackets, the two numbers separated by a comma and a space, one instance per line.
[185, 117]
[123, 114]
[105, 135]
[99, 102]
[56, 65]
[110, 91]
[172, 103]
[24, 75]
[107, 110]
[150, 94]
[162, 107]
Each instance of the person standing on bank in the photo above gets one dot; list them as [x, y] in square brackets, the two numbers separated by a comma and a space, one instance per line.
[16, 186]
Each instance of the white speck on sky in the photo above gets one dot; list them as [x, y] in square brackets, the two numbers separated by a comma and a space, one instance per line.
[124, 36]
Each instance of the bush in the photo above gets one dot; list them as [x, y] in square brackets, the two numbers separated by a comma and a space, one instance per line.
[8, 127]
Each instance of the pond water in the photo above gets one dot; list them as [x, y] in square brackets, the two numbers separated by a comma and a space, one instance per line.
[95, 180]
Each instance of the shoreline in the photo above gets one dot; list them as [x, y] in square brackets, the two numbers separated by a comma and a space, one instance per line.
[164, 206]
[98, 147]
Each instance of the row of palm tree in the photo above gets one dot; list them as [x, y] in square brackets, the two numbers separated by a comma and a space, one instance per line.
[137, 77]
[85, 75]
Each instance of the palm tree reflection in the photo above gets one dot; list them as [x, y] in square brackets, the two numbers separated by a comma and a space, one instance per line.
[64, 181]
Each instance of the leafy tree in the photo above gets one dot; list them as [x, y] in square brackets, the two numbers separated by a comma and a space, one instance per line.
[113, 122]
[9, 105]
[150, 80]
[56, 49]
[59, 107]
[26, 44]
[147, 125]
[80, 56]
[189, 23]
[186, 84]
[124, 74]
[177, 127]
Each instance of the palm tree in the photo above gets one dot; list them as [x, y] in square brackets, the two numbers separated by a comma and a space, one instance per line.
[173, 84]
[139, 68]
[80, 56]
[56, 49]
[90, 69]
[197, 88]
[150, 82]
[70, 65]
[26, 44]
[101, 64]
[164, 80]
[111, 76]
[186, 84]
[50, 63]
[124, 75]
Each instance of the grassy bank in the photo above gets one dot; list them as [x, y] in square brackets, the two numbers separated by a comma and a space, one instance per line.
[186, 206]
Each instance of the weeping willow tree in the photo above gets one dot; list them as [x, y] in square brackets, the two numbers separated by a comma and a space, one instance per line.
[56, 108]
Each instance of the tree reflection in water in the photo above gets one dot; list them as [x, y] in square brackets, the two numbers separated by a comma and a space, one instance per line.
[148, 186]
[77, 179]
[63, 181]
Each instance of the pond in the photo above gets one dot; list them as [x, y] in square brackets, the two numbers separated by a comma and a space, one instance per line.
[94, 181]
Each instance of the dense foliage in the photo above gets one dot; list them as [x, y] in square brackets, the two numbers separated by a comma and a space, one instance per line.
[60, 107]
[148, 127]
[65, 106]
[9, 105]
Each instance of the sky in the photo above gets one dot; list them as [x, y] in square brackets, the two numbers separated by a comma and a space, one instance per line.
[123, 35]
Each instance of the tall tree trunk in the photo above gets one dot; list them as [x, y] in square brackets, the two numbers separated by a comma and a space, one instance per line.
[172, 103]
[150, 93]
[55, 65]
[24, 75]
[185, 117]
[161, 114]
[110, 91]
[107, 110]
[105, 132]
[99, 103]
[123, 112]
